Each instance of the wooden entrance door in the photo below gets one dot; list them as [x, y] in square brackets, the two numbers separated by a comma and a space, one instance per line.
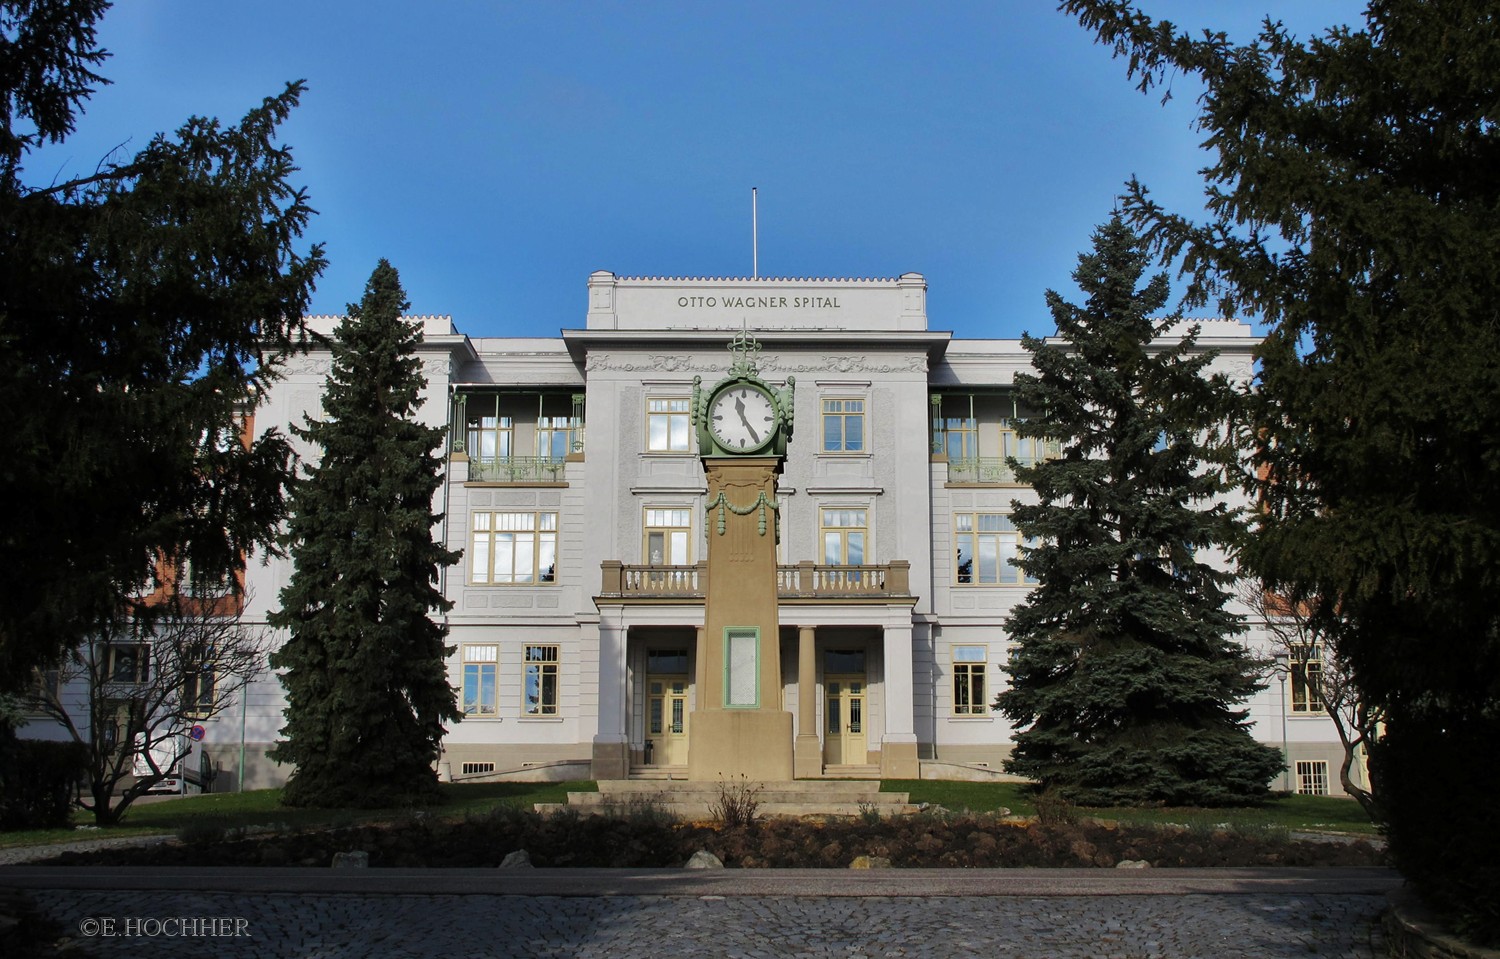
[844, 739]
[666, 720]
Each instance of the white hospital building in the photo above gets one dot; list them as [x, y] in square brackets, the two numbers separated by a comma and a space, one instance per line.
[575, 491]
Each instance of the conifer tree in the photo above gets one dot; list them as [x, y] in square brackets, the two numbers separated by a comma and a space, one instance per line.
[367, 689]
[1125, 666]
[145, 306]
[1353, 204]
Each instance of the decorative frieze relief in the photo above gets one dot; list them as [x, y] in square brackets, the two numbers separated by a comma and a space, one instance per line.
[677, 363]
[846, 364]
[650, 363]
[321, 365]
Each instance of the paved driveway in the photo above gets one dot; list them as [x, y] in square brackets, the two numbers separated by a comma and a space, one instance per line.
[622, 914]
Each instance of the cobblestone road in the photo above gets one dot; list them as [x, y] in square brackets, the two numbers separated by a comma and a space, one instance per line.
[626, 927]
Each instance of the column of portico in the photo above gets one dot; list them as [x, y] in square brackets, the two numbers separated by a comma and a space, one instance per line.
[807, 756]
[898, 749]
[611, 754]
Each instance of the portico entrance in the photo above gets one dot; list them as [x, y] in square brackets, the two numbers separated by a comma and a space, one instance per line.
[845, 736]
[667, 707]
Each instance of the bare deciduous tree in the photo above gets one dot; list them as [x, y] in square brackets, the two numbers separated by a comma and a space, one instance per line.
[131, 695]
[1312, 655]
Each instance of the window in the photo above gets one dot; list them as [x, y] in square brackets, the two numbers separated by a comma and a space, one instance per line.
[843, 426]
[1312, 777]
[667, 535]
[128, 662]
[554, 437]
[956, 436]
[845, 536]
[514, 548]
[489, 433]
[198, 690]
[480, 675]
[1307, 679]
[195, 583]
[667, 423]
[969, 663]
[987, 546]
[540, 681]
[1027, 450]
[476, 768]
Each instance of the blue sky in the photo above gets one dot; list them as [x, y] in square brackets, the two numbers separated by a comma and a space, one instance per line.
[498, 152]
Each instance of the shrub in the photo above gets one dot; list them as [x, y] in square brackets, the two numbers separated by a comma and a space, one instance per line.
[38, 782]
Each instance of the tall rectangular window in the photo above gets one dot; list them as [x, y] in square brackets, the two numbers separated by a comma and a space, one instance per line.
[1027, 450]
[198, 690]
[481, 664]
[668, 533]
[513, 548]
[969, 663]
[554, 437]
[987, 546]
[667, 425]
[1307, 679]
[843, 426]
[489, 433]
[540, 681]
[845, 536]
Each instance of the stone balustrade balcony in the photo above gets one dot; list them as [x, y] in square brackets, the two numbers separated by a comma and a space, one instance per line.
[805, 580]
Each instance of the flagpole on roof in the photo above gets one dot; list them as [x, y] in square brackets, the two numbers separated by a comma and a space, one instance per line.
[754, 237]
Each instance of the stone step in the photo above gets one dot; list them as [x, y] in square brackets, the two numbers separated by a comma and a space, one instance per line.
[764, 790]
[707, 799]
[704, 810]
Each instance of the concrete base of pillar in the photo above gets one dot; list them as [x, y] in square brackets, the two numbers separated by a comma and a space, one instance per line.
[807, 757]
[899, 761]
[610, 761]
[730, 743]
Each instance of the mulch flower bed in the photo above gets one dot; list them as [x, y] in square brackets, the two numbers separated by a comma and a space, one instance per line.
[647, 840]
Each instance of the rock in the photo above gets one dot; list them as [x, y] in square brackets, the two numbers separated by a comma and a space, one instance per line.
[870, 862]
[703, 859]
[1132, 864]
[520, 859]
[358, 859]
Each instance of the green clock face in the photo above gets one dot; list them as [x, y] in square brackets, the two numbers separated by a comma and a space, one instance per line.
[742, 418]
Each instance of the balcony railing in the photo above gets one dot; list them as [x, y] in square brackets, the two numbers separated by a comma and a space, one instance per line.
[993, 470]
[516, 469]
[802, 580]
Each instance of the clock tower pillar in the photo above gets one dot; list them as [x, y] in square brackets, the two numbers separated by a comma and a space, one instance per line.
[739, 726]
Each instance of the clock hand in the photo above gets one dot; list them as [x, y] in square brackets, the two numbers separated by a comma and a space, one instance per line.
[739, 407]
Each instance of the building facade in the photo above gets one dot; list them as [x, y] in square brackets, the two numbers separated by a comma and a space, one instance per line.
[575, 491]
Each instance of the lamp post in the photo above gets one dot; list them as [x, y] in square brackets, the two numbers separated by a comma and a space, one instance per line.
[1283, 667]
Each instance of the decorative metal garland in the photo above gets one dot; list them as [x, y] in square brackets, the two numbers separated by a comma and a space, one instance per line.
[761, 502]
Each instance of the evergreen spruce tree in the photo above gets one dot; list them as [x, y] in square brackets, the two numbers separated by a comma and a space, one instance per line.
[367, 689]
[1353, 204]
[1125, 666]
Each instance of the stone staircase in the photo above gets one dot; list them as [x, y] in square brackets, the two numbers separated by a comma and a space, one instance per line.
[694, 800]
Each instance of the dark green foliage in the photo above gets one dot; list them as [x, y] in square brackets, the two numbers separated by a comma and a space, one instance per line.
[142, 308]
[1125, 668]
[38, 781]
[367, 689]
[1354, 205]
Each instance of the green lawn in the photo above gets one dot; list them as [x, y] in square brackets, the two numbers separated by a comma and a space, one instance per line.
[1315, 813]
[263, 807]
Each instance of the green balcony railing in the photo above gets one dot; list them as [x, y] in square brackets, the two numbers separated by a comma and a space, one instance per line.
[516, 469]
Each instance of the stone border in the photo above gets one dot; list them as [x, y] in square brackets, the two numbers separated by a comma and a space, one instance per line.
[1413, 931]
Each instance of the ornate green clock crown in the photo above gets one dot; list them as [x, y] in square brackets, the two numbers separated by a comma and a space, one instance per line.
[743, 415]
